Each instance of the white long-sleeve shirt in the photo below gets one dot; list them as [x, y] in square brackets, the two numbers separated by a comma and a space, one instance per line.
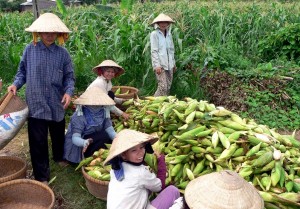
[106, 86]
[162, 50]
[133, 191]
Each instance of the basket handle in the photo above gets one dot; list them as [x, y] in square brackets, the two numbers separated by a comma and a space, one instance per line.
[8, 97]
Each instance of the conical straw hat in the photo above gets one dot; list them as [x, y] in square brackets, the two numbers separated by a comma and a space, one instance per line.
[222, 190]
[109, 63]
[48, 22]
[94, 96]
[127, 139]
[162, 18]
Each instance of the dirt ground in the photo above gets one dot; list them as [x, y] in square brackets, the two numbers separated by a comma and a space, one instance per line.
[19, 147]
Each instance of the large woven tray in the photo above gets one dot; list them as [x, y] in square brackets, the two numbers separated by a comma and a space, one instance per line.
[25, 194]
[13, 115]
[12, 167]
[11, 103]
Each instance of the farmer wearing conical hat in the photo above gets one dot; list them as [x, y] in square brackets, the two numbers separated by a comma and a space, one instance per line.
[48, 73]
[106, 71]
[162, 54]
[131, 181]
[222, 190]
[89, 128]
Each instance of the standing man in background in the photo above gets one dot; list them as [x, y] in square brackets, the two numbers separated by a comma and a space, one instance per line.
[48, 73]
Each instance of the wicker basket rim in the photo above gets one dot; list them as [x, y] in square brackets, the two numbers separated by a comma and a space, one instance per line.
[97, 181]
[29, 181]
[5, 101]
[16, 174]
[125, 87]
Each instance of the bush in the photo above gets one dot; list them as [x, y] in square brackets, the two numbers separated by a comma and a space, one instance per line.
[10, 6]
[282, 43]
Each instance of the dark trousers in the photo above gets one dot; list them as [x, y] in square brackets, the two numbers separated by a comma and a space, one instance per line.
[99, 141]
[38, 145]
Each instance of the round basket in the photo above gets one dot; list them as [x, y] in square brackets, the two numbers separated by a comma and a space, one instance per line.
[96, 187]
[12, 167]
[132, 92]
[25, 194]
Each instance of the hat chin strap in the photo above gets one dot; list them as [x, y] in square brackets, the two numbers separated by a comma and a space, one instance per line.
[79, 110]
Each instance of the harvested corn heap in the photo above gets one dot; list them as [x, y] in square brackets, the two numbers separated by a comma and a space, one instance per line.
[199, 138]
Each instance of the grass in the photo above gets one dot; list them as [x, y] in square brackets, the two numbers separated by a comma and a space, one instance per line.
[70, 189]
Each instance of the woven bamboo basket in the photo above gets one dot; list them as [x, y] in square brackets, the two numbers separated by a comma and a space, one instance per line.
[96, 187]
[26, 194]
[11, 103]
[12, 167]
[132, 92]
[13, 115]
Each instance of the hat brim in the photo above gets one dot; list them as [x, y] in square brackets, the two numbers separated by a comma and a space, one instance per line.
[94, 96]
[119, 145]
[99, 71]
[162, 21]
[225, 189]
[48, 23]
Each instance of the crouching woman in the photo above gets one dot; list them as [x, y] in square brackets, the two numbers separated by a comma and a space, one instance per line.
[90, 128]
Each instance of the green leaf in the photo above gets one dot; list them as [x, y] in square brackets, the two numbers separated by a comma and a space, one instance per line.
[61, 7]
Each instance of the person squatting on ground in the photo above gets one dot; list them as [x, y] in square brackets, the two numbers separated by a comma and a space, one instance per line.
[131, 181]
[106, 71]
[48, 73]
[89, 128]
[162, 54]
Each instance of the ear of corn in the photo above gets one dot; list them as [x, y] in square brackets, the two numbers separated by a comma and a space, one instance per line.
[224, 140]
[263, 159]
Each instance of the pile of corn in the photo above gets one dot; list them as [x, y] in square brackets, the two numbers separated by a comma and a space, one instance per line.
[198, 138]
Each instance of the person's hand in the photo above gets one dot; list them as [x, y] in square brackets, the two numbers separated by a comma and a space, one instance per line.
[66, 100]
[158, 70]
[125, 115]
[12, 88]
[87, 142]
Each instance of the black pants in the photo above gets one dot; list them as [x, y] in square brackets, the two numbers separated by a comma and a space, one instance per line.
[38, 144]
[99, 141]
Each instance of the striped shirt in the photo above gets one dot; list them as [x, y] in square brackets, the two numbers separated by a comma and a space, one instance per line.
[48, 73]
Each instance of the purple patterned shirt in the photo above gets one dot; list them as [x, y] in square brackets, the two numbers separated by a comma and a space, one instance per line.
[48, 74]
